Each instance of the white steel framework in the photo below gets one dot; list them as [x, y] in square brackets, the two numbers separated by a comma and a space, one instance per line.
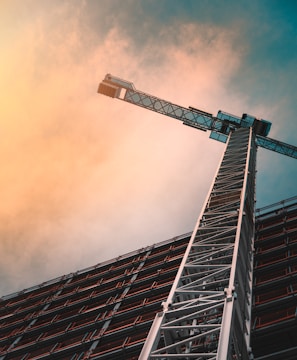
[207, 313]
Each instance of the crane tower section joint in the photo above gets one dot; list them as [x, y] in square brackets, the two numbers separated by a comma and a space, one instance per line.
[261, 127]
[218, 136]
[233, 119]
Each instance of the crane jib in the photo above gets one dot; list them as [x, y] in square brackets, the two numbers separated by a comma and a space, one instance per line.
[220, 126]
[277, 146]
[167, 108]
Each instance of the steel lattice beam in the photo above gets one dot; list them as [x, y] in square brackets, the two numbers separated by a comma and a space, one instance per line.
[207, 313]
[220, 125]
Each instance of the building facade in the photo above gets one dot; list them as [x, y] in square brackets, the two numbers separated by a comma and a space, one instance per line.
[274, 325]
[105, 311]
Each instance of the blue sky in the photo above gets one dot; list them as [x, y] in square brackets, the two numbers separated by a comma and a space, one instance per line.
[86, 178]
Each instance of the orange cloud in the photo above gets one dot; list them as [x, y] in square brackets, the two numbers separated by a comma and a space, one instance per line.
[85, 177]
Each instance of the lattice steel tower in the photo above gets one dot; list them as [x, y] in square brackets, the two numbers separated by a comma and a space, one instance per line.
[208, 310]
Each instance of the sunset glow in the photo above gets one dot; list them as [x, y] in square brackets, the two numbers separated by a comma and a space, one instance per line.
[85, 178]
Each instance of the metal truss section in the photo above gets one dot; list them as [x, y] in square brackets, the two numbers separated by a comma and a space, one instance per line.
[207, 313]
[220, 126]
[193, 117]
[277, 146]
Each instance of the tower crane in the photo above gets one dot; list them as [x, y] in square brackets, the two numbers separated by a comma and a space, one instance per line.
[207, 314]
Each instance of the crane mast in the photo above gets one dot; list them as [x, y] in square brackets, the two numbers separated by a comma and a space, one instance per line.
[207, 314]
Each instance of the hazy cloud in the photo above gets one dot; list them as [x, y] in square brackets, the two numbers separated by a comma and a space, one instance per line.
[85, 178]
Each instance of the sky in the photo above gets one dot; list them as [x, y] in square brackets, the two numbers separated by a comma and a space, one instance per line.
[85, 178]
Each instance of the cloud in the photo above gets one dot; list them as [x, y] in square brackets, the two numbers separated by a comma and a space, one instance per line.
[85, 177]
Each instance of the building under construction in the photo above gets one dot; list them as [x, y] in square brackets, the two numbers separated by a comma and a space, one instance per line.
[105, 311]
